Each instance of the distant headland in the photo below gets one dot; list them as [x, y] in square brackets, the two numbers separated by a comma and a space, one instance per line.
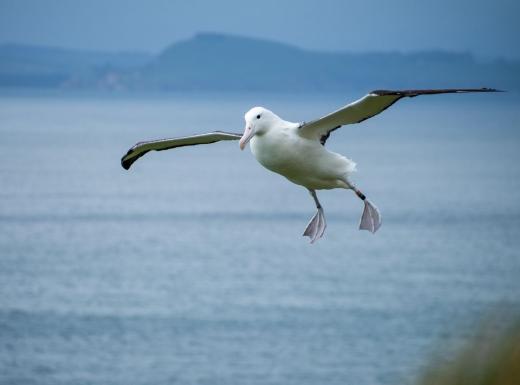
[218, 62]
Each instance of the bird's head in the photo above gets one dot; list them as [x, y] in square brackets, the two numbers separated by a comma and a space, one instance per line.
[258, 121]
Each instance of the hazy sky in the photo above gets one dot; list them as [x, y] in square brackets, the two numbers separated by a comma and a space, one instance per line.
[488, 28]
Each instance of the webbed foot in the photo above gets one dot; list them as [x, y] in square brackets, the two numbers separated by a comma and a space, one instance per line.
[316, 226]
[371, 218]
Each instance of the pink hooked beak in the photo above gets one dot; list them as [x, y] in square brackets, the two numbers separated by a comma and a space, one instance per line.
[248, 134]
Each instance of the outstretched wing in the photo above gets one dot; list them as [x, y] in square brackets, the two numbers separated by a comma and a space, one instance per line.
[141, 148]
[366, 107]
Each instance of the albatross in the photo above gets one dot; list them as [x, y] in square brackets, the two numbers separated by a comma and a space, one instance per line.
[297, 150]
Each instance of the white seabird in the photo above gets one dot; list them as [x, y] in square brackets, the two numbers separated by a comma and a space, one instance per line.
[297, 150]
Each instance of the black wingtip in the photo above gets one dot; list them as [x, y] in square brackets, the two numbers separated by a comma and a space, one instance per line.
[126, 165]
[414, 93]
[127, 162]
[487, 89]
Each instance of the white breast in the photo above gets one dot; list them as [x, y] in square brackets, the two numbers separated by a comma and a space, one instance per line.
[303, 161]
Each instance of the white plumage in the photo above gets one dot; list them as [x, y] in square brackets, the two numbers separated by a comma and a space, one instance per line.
[279, 146]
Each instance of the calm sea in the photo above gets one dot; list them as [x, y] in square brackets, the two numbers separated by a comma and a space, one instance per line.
[191, 269]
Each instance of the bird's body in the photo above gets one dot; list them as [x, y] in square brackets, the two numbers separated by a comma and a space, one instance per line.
[303, 161]
[297, 150]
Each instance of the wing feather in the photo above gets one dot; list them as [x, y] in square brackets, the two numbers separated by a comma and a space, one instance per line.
[368, 106]
[141, 148]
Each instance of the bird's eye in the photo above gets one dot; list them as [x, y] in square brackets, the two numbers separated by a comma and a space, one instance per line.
[258, 116]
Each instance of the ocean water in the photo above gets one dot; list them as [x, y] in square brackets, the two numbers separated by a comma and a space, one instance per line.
[191, 269]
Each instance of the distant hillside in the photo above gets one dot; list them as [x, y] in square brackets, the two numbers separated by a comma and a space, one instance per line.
[230, 63]
[50, 67]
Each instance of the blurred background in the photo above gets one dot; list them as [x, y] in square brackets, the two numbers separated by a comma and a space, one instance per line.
[190, 268]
